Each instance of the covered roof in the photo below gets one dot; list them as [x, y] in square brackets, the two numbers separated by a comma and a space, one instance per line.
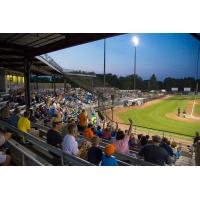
[15, 46]
[34, 44]
[196, 35]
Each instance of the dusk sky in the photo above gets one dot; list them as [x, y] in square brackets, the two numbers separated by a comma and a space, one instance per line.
[166, 55]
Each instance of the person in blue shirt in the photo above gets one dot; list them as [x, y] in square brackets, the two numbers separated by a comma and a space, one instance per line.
[108, 159]
[165, 144]
[13, 120]
[98, 131]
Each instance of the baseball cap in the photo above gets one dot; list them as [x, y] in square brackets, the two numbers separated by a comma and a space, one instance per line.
[109, 149]
[57, 120]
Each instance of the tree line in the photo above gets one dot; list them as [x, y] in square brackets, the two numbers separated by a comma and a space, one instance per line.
[126, 82]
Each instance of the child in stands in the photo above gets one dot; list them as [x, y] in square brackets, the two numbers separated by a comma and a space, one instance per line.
[95, 153]
[108, 159]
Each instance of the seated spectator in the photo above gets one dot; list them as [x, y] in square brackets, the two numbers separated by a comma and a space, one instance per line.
[115, 130]
[24, 124]
[93, 118]
[108, 159]
[178, 152]
[59, 112]
[122, 140]
[98, 131]
[83, 149]
[196, 138]
[147, 137]
[138, 140]
[132, 141]
[6, 111]
[4, 158]
[13, 120]
[107, 134]
[32, 117]
[154, 153]
[70, 145]
[166, 145]
[197, 153]
[94, 153]
[173, 146]
[143, 141]
[88, 133]
[38, 113]
[82, 121]
[53, 135]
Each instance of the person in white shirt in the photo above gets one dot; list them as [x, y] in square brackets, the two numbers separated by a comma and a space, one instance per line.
[69, 144]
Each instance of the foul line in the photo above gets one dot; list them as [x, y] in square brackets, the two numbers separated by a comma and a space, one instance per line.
[193, 107]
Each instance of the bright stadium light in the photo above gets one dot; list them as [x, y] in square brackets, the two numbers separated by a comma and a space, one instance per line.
[135, 40]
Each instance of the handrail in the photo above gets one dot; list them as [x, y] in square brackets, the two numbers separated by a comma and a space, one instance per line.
[37, 159]
[51, 62]
[38, 142]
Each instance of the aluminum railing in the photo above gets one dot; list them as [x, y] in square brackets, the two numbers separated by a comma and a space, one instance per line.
[26, 153]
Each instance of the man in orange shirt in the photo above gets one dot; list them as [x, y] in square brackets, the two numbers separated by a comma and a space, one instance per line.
[82, 121]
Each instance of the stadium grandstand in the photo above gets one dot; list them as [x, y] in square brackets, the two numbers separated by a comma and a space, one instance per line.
[50, 116]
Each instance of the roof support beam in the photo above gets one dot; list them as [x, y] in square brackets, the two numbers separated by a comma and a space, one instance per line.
[73, 40]
[27, 83]
[11, 59]
[11, 52]
[7, 65]
[14, 46]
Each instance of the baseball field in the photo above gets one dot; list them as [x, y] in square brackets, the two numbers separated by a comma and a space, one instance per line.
[162, 114]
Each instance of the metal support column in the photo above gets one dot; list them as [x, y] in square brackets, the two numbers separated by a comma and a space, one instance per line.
[197, 72]
[104, 77]
[27, 83]
[37, 88]
[65, 83]
[104, 66]
[54, 85]
[134, 86]
[52, 82]
[92, 84]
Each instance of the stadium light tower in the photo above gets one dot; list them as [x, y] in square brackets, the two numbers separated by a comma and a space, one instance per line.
[135, 41]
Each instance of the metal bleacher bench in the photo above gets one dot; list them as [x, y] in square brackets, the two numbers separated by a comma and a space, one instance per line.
[26, 153]
[66, 159]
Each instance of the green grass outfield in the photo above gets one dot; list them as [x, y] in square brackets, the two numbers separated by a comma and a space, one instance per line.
[197, 109]
[154, 117]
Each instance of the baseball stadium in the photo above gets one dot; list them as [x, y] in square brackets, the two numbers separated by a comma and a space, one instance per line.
[54, 115]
